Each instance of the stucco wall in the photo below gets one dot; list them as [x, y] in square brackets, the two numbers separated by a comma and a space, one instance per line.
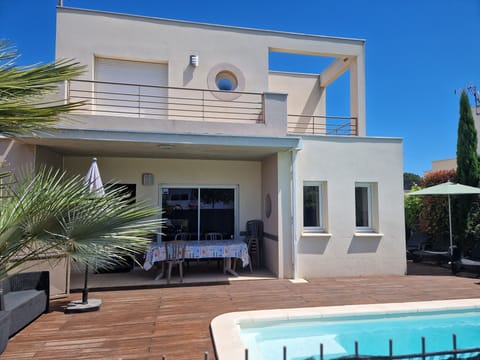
[156, 40]
[445, 164]
[341, 162]
[16, 156]
[84, 35]
[305, 97]
[285, 233]
[245, 174]
[47, 157]
[270, 224]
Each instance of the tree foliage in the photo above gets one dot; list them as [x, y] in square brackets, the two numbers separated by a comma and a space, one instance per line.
[438, 177]
[410, 179]
[433, 216]
[413, 208]
[467, 157]
[467, 167]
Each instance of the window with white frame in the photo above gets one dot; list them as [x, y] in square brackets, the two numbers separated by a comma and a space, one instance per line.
[313, 207]
[364, 206]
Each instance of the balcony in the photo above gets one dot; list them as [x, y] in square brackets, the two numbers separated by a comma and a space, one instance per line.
[322, 125]
[123, 106]
[165, 103]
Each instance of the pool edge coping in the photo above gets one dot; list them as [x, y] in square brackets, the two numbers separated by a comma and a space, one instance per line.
[228, 344]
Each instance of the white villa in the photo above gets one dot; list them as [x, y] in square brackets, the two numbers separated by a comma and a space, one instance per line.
[191, 117]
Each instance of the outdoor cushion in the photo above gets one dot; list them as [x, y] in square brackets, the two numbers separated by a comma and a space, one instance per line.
[4, 329]
[24, 306]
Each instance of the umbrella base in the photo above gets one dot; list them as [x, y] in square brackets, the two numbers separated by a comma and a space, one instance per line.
[78, 306]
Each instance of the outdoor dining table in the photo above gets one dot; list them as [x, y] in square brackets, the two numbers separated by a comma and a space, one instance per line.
[202, 249]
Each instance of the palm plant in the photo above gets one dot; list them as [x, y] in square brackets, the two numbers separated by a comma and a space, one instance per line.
[51, 214]
[48, 212]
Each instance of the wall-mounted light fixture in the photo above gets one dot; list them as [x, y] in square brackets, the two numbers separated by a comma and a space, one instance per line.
[194, 60]
[147, 179]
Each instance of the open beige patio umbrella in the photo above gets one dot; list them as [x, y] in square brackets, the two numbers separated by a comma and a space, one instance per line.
[448, 188]
[94, 184]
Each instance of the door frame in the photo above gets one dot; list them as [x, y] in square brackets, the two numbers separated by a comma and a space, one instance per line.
[234, 187]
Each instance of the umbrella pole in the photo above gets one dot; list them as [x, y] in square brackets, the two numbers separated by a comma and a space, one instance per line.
[450, 225]
[85, 287]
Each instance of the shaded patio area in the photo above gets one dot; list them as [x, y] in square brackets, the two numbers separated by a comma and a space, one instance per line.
[147, 323]
[195, 273]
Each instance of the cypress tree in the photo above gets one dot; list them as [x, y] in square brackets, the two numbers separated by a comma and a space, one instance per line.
[467, 165]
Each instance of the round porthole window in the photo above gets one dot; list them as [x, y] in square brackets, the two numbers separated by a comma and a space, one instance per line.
[268, 206]
[226, 81]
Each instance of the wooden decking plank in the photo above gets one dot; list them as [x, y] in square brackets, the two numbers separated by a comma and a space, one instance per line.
[145, 324]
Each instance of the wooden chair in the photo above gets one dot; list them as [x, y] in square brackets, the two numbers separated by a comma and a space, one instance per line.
[175, 255]
[213, 236]
[254, 233]
[183, 236]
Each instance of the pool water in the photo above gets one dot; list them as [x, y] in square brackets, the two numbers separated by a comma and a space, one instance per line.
[266, 339]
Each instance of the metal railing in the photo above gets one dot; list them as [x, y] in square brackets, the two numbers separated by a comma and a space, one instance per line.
[322, 125]
[205, 356]
[471, 353]
[166, 103]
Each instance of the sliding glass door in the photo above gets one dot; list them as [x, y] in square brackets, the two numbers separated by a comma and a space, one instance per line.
[198, 210]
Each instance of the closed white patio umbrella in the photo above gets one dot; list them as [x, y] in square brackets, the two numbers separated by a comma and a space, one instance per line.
[94, 184]
[93, 179]
[448, 188]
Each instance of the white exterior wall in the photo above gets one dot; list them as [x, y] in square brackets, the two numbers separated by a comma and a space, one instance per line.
[270, 224]
[305, 96]
[245, 174]
[156, 40]
[285, 233]
[84, 35]
[341, 162]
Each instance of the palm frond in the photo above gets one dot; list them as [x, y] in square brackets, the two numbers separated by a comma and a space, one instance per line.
[25, 92]
[53, 213]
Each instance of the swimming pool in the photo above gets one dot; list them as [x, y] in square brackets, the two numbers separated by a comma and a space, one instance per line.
[302, 330]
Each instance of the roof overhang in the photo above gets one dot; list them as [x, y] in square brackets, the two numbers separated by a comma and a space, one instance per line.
[71, 142]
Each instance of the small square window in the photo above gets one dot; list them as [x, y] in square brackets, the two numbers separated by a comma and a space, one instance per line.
[313, 207]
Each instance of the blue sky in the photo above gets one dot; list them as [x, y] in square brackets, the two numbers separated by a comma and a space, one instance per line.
[418, 52]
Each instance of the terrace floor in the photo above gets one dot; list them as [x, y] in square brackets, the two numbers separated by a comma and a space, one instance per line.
[174, 321]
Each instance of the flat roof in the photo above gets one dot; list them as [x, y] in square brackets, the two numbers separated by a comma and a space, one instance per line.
[213, 26]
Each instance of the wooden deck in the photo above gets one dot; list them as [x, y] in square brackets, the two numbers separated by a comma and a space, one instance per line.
[145, 324]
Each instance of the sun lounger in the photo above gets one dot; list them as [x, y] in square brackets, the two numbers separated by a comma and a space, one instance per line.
[469, 263]
[419, 249]
[416, 242]
[439, 257]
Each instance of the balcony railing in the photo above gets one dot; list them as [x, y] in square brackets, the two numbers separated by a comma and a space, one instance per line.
[322, 125]
[185, 104]
[166, 103]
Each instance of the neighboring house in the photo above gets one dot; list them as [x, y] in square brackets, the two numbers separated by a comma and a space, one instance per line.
[191, 115]
[450, 164]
